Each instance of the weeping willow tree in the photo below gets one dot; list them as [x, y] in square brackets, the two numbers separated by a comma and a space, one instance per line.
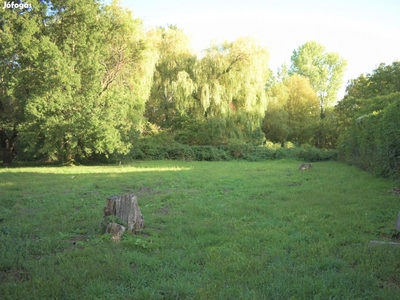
[231, 80]
[222, 94]
[173, 76]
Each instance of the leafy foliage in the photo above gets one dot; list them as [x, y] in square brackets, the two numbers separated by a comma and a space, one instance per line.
[213, 99]
[293, 115]
[366, 93]
[372, 142]
[78, 96]
[150, 149]
[83, 81]
[325, 71]
[171, 79]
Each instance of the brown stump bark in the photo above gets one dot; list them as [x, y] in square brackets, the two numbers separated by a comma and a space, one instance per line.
[127, 209]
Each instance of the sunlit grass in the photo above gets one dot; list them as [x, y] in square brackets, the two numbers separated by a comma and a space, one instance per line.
[220, 230]
[91, 170]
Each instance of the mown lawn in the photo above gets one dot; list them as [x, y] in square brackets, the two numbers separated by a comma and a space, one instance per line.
[213, 230]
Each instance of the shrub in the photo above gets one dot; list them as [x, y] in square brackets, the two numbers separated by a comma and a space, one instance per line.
[271, 145]
[288, 145]
[180, 152]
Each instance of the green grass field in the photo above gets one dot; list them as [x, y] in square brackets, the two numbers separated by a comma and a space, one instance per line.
[213, 230]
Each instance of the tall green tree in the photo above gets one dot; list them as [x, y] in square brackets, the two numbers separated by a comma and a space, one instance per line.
[369, 117]
[302, 106]
[231, 79]
[82, 81]
[324, 69]
[276, 120]
[292, 113]
[365, 93]
[19, 33]
[223, 92]
[173, 76]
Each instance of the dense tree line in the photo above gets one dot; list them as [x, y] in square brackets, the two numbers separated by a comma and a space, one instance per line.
[369, 121]
[82, 80]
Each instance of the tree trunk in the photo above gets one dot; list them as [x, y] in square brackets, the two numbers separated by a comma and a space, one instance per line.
[127, 209]
[8, 146]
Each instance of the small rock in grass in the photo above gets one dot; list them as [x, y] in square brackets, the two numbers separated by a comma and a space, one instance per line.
[305, 166]
[116, 231]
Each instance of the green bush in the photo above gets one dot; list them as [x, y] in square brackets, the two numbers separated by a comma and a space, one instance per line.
[315, 154]
[180, 152]
[388, 141]
[209, 153]
[237, 150]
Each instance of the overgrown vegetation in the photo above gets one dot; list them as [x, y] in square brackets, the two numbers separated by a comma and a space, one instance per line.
[243, 230]
[370, 120]
[152, 150]
[83, 80]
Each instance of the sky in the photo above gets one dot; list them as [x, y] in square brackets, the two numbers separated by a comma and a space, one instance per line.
[365, 33]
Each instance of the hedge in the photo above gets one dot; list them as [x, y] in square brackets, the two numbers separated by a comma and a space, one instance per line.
[143, 151]
[373, 141]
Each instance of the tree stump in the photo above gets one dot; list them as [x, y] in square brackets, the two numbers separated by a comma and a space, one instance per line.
[127, 209]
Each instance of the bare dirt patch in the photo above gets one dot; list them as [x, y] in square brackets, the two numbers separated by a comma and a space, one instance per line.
[79, 238]
[292, 184]
[395, 191]
[14, 275]
[141, 191]
[164, 211]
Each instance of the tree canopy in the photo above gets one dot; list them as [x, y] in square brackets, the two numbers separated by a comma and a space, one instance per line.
[292, 111]
[368, 118]
[85, 80]
[364, 94]
[324, 69]
[81, 76]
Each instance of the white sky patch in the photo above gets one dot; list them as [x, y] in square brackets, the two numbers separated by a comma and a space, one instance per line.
[365, 33]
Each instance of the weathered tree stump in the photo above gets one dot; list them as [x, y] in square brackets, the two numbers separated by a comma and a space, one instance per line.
[127, 209]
